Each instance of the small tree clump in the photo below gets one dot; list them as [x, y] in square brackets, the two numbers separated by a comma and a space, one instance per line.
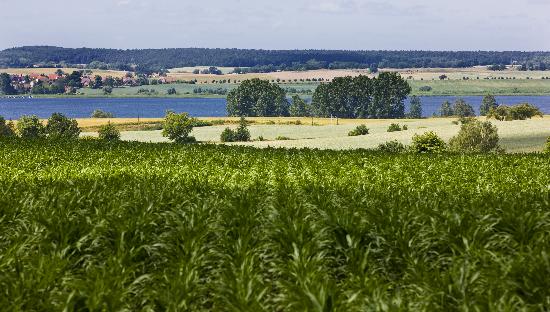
[6, 129]
[516, 112]
[30, 127]
[392, 147]
[416, 108]
[463, 109]
[489, 102]
[476, 136]
[109, 132]
[241, 134]
[428, 142]
[359, 130]
[177, 127]
[98, 113]
[61, 127]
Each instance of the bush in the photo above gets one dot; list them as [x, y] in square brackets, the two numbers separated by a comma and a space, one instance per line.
[107, 90]
[241, 134]
[516, 112]
[476, 136]
[428, 142]
[392, 147]
[282, 138]
[61, 127]
[425, 88]
[394, 127]
[177, 127]
[30, 127]
[547, 148]
[6, 129]
[463, 109]
[359, 130]
[109, 132]
[171, 91]
[98, 113]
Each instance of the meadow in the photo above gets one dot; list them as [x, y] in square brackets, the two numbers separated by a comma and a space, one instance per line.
[94, 226]
[515, 136]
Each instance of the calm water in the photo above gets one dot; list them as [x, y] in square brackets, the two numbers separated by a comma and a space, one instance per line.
[156, 107]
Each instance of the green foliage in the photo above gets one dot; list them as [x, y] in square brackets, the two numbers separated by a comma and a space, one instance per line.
[98, 113]
[394, 127]
[241, 134]
[256, 97]
[6, 129]
[30, 127]
[428, 142]
[177, 127]
[463, 109]
[171, 91]
[359, 130]
[515, 112]
[547, 147]
[282, 138]
[107, 90]
[91, 226]
[446, 109]
[392, 147]
[61, 127]
[489, 102]
[416, 108]
[362, 97]
[299, 107]
[477, 137]
[5, 85]
[109, 133]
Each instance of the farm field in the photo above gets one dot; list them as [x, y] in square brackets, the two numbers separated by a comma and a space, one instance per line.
[132, 226]
[515, 136]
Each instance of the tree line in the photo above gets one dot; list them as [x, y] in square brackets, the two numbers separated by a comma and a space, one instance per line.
[344, 97]
[156, 60]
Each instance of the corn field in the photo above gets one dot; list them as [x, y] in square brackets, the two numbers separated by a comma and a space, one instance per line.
[93, 226]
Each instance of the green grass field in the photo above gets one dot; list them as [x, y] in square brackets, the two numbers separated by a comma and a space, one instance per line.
[515, 136]
[93, 226]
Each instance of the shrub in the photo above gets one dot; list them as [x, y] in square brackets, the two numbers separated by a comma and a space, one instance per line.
[425, 88]
[547, 148]
[61, 127]
[516, 112]
[177, 127]
[405, 127]
[98, 113]
[30, 127]
[394, 127]
[6, 129]
[428, 142]
[171, 91]
[107, 90]
[282, 138]
[109, 132]
[241, 134]
[475, 136]
[392, 147]
[359, 130]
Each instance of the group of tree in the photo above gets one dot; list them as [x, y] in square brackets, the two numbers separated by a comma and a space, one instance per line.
[58, 127]
[256, 97]
[158, 60]
[521, 111]
[460, 108]
[362, 97]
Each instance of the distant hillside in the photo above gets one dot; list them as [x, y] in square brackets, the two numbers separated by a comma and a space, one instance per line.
[261, 60]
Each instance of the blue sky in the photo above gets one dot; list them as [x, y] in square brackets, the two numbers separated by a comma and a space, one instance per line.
[279, 24]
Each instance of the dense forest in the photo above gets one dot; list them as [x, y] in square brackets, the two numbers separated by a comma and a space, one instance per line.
[261, 60]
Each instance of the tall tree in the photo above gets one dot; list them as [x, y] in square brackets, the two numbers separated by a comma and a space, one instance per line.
[446, 109]
[257, 97]
[488, 102]
[416, 107]
[299, 107]
[5, 85]
[463, 109]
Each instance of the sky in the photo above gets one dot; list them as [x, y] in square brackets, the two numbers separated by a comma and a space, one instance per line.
[494, 25]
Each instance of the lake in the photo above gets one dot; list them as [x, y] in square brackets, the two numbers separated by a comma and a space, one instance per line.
[198, 107]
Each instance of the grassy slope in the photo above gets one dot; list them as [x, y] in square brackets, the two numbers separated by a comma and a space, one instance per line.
[515, 136]
[112, 227]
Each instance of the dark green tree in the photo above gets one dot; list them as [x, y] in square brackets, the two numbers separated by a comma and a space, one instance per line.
[98, 82]
[416, 108]
[257, 97]
[487, 104]
[299, 107]
[5, 85]
[463, 109]
[30, 127]
[446, 109]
